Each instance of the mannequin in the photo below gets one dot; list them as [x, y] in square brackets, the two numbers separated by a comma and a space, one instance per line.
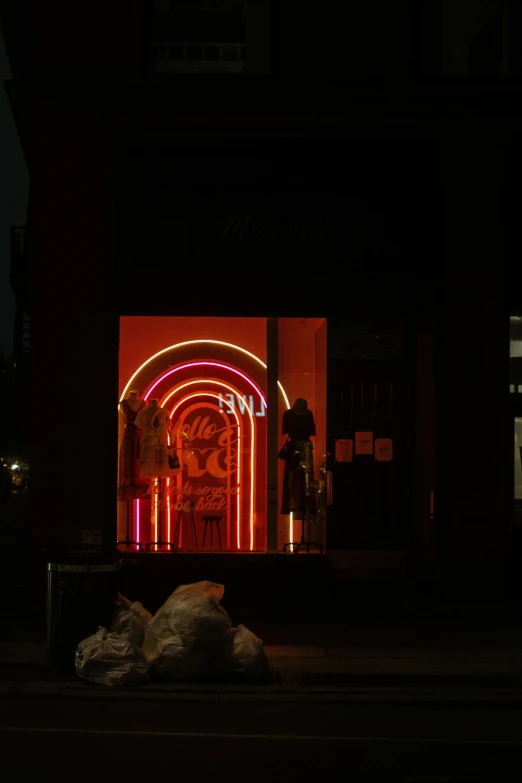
[129, 484]
[154, 459]
[155, 423]
[299, 427]
[299, 495]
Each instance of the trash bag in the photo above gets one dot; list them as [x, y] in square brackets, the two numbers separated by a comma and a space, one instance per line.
[111, 659]
[175, 664]
[186, 630]
[241, 652]
[129, 620]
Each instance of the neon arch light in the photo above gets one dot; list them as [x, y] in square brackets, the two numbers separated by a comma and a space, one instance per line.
[200, 342]
[252, 439]
[219, 410]
[252, 449]
[238, 471]
[166, 374]
[203, 342]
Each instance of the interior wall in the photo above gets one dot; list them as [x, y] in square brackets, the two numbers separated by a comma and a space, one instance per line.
[296, 357]
[143, 336]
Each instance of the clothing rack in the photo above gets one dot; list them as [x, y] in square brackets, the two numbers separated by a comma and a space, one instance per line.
[193, 531]
[295, 546]
[127, 542]
[160, 543]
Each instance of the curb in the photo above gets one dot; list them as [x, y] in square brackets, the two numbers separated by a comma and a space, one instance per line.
[376, 694]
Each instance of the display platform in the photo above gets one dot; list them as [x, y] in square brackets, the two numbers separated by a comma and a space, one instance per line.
[258, 586]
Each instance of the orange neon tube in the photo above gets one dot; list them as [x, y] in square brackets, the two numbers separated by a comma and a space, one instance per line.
[238, 471]
[200, 342]
[252, 441]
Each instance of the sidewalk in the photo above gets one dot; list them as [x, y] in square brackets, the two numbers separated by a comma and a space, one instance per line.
[345, 662]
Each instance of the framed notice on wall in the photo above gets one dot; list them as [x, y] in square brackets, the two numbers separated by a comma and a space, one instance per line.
[344, 450]
[364, 442]
[383, 450]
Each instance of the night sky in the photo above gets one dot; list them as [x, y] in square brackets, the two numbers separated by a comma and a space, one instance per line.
[14, 188]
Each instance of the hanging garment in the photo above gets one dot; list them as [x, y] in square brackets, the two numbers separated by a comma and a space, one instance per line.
[129, 484]
[298, 480]
[298, 424]
[154, 454]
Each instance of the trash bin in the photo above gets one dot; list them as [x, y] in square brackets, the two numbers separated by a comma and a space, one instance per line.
[80, 598]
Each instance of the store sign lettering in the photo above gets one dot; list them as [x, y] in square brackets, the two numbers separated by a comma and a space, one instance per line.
[244, 229]
[240, 401]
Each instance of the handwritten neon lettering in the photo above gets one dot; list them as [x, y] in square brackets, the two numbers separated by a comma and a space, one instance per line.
[190, 489]
[199, 430]
[200, 461]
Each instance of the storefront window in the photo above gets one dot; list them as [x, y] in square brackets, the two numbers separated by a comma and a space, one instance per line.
[518, 472]
[302, 476]
[193, 420]
[518, 464]
[515, 354]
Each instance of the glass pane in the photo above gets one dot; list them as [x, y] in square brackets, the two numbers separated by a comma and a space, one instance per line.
[515, 353]
[518, 464]
[176, 53]
[212, 53]
[302, 417]
[194, 478]
[194, 52]
[229, 53]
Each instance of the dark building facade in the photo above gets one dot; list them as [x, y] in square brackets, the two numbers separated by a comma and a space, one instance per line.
[331, 219]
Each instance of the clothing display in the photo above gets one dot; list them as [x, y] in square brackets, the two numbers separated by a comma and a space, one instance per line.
[154, 455]
[298, 423]
[298, 480]
[129, 484]
[298, 477]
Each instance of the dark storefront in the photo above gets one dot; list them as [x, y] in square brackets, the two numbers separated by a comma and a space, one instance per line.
[336, 243]
[230, 225]
[296, 262]
[353, 257]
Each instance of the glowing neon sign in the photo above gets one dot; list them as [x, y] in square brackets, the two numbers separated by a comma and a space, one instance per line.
[245, 518]
[203, 496]
[240, 400]
[252, 356]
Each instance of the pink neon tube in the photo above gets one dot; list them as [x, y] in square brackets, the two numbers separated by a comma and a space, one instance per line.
[238, 497]
[189, 365]
[252, 449]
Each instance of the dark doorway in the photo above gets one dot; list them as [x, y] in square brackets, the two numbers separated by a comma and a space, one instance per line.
[371, 409]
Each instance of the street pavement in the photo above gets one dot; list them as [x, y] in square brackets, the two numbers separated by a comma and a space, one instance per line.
[84, 740]
[391, 693]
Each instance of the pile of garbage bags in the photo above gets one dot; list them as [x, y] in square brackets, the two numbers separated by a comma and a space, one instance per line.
[189, 638]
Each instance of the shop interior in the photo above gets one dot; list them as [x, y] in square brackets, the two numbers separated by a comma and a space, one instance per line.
[194, 418]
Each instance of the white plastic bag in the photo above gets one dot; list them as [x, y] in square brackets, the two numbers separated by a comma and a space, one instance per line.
[130, 619]
[186, 630]
[110, 659]
[241, 652]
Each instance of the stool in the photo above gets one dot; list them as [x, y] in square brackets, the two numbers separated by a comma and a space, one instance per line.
[215, 520]
[192, 529]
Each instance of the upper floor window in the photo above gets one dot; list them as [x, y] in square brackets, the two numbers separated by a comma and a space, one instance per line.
[210, 36]
[478, 38]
